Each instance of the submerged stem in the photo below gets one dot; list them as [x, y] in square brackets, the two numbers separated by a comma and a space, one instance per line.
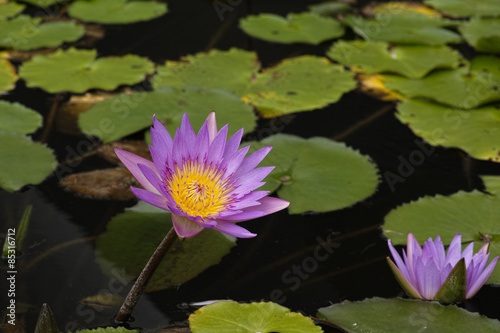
[143, 279]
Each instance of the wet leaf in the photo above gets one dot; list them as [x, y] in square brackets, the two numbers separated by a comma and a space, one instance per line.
[108, 330]
[329, 8]
[317, 174]
[132, 237]
[472, 214]
[125, 114]
[26, 33]
[390, 8]
[23, 161]
[17, 118]
[22, 56]
[8, 76]
[111, 183]
[103, 301]
[373, 85]
[464, 87]
[116, 11]
[379, 57]
[295, 28]
[79, 70]
[380, 315]
[465, 8]
[10, 9]
[477, 131]
[265, 317]
[483, 34]
[136, 147]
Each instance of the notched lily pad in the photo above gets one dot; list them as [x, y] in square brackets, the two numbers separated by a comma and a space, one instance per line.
[379, 57]
[17, 118]
[132, 237]
[8, 76]
[379, 315]
[317, 174]
[295, 28]
[10, 9]
[466, 8]
[79, 70]
[483, 34]
[329, 8]
[116, 11]
[264, 317]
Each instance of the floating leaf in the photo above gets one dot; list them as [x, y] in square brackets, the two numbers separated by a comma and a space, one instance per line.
[378, 57]
[329, 8]
[132, 237]
[483, 34]
[10, 9]
[264, 317]
[373, 85]
[317, 174]
[475, 131]
[116, 11]
[103, 301]
[8, 76]
[26, 33]
[44, 3]
[17, 118]
[125, 114]
[295, 28]
[23, 161]
[108, 330]
[465, 8]
[404, 28]
[390, 8]
[464, 87]
[472, 214]
[379, 315]
[78, 70]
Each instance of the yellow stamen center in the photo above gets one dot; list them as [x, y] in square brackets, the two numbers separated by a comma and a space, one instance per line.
[199, 189]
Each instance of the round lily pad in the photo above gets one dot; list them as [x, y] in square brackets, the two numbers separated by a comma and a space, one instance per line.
[482, 33]
[15, 117]
[379, 57]
[379, 315]
[116, 11]
[26, 33]
[133, 236]
[23, 161]
[472, 214]
[295, 28]
[465, 87]
[264, 317]
[10, 9]
[79, 70]
[475, 131]
[317, 174]
[466, 8]
[125, 114]
[8, 76]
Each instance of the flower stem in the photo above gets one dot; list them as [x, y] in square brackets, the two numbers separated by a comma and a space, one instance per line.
[143, 279]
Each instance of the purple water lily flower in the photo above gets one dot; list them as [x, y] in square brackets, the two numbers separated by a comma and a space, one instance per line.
[430, 274]
[204, 181]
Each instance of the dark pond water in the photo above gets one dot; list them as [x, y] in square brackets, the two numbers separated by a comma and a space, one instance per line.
[280, 263]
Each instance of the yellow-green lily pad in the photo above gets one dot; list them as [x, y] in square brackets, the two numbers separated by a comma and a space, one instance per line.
[482, 33]
[317, 174]
[373, 57]
[17, 118]
[8, 76]
[466, 8]
[79, 70]
[116, 11]
[10, 9]
[304, 27]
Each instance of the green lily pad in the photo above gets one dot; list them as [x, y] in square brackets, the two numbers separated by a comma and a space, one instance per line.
[17, 118]
[465, 8]
[44, 3]
[79, 70]
[133, 236]
[125, 114]
[329, 8]
[483, 34]
[475, 131]
[108, 330]
[25, 33]
[379, 315]
[10, 9]
[116, 11]
[23, 161]
[8, 76]
[404, 28]
[317, 174]
[295, 28]
[378, 57]
[263, 317]
[472, 214]
[464, 87]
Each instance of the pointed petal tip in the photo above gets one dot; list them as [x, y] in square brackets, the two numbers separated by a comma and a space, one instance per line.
[184, 227]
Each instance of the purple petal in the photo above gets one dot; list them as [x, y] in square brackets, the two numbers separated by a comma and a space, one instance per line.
[399, 263]
[476, 285]
[184, 227]
[131, 161]
[251, 180]
[202, 143]
[232, 145]
[233, 230]
[413, 248]
[249, 200]
[428, 278]
[271, 205]
[252, 161]
[152, 177]
[151, 198]
[216, 149]
[212, 126]
[441, 255]
[467, 254]
[188, 136]
[244, 216]
[454, 250]
[162, 143]
[231, 164]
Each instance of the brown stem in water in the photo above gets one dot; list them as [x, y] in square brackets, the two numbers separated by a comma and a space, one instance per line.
[50, 118]
[143, 279]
